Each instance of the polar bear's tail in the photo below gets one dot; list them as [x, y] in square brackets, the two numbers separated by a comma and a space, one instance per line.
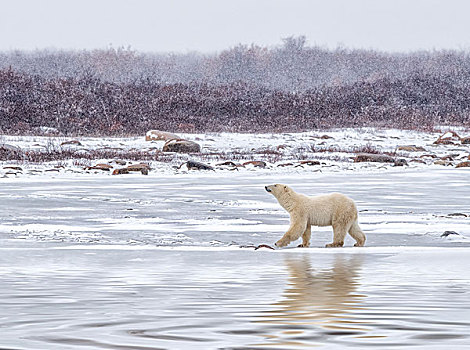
[356, 233]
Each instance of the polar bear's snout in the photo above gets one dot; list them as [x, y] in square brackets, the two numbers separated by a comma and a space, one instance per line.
[271, 188]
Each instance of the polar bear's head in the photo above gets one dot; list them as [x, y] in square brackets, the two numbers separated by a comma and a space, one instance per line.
[278, 190]
[284, 195]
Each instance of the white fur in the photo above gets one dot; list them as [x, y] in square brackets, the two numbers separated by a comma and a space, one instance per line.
[333, 209]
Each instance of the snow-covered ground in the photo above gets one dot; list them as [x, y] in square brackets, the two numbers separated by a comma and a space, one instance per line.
[94, 261]
[283, 153]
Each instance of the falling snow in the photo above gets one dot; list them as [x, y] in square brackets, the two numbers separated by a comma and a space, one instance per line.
[292, 87]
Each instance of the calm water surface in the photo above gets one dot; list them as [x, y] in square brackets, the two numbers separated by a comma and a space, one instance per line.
[233, 299]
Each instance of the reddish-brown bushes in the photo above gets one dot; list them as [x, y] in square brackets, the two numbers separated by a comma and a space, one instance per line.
[86, 106]
[64, 154]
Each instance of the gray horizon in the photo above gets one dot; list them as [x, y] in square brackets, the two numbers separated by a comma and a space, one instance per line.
[210, 26]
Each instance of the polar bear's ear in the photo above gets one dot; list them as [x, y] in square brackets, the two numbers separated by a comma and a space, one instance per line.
[285, 188]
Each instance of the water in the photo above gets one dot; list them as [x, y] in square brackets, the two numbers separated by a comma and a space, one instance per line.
[237, 299]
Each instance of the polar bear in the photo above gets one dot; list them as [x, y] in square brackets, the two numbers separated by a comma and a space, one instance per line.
[333, 209]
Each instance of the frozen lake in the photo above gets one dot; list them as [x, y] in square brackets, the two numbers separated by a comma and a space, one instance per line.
[397, 208]
[153, 262]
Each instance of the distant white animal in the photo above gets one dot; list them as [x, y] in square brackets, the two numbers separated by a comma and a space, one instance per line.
[334, 209]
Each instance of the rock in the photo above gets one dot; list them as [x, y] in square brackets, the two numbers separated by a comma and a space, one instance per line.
[463, 165]
[309, 162]
[458, 214]
[181, 146]
[284, 165]
[465, 140]
[444, 142]
[449, 158]
[400, 162]
[120, 171]
[411, 148]
[119, 162]
[104, 167]
[193, 165]
[442, 162]
[372, 157]
[157, 135]
[138, 167]
[420, 161]
[447, 138]
[256, 163]
[228, 163]
[448, 233]
[379, 158]
[13, 167]
[428, 156]
[323, 137]
[142, 167]
[71, 142]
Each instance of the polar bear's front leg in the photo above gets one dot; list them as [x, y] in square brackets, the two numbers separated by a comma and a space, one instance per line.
[296, 229]
[306, 237]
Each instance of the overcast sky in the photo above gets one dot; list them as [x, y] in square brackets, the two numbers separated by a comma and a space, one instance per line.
[214, 25]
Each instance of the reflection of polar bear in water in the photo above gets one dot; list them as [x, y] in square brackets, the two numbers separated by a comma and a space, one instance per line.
[334, 209]
[316, 302]
[321, 294]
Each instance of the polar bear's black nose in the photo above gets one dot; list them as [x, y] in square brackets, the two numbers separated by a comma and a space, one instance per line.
[267, 189]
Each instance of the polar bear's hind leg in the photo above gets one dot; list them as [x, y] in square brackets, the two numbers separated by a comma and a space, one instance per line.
[339, 233]
[356, 233]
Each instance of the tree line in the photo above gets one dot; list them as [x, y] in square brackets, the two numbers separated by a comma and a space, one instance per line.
[292, 87]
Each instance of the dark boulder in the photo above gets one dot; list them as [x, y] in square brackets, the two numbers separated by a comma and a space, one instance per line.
[181, 146]
[448, 233]
[193, 165]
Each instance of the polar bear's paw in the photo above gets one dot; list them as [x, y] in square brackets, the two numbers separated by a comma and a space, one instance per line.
[281, 243]
[334, 245]
[303, 245]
